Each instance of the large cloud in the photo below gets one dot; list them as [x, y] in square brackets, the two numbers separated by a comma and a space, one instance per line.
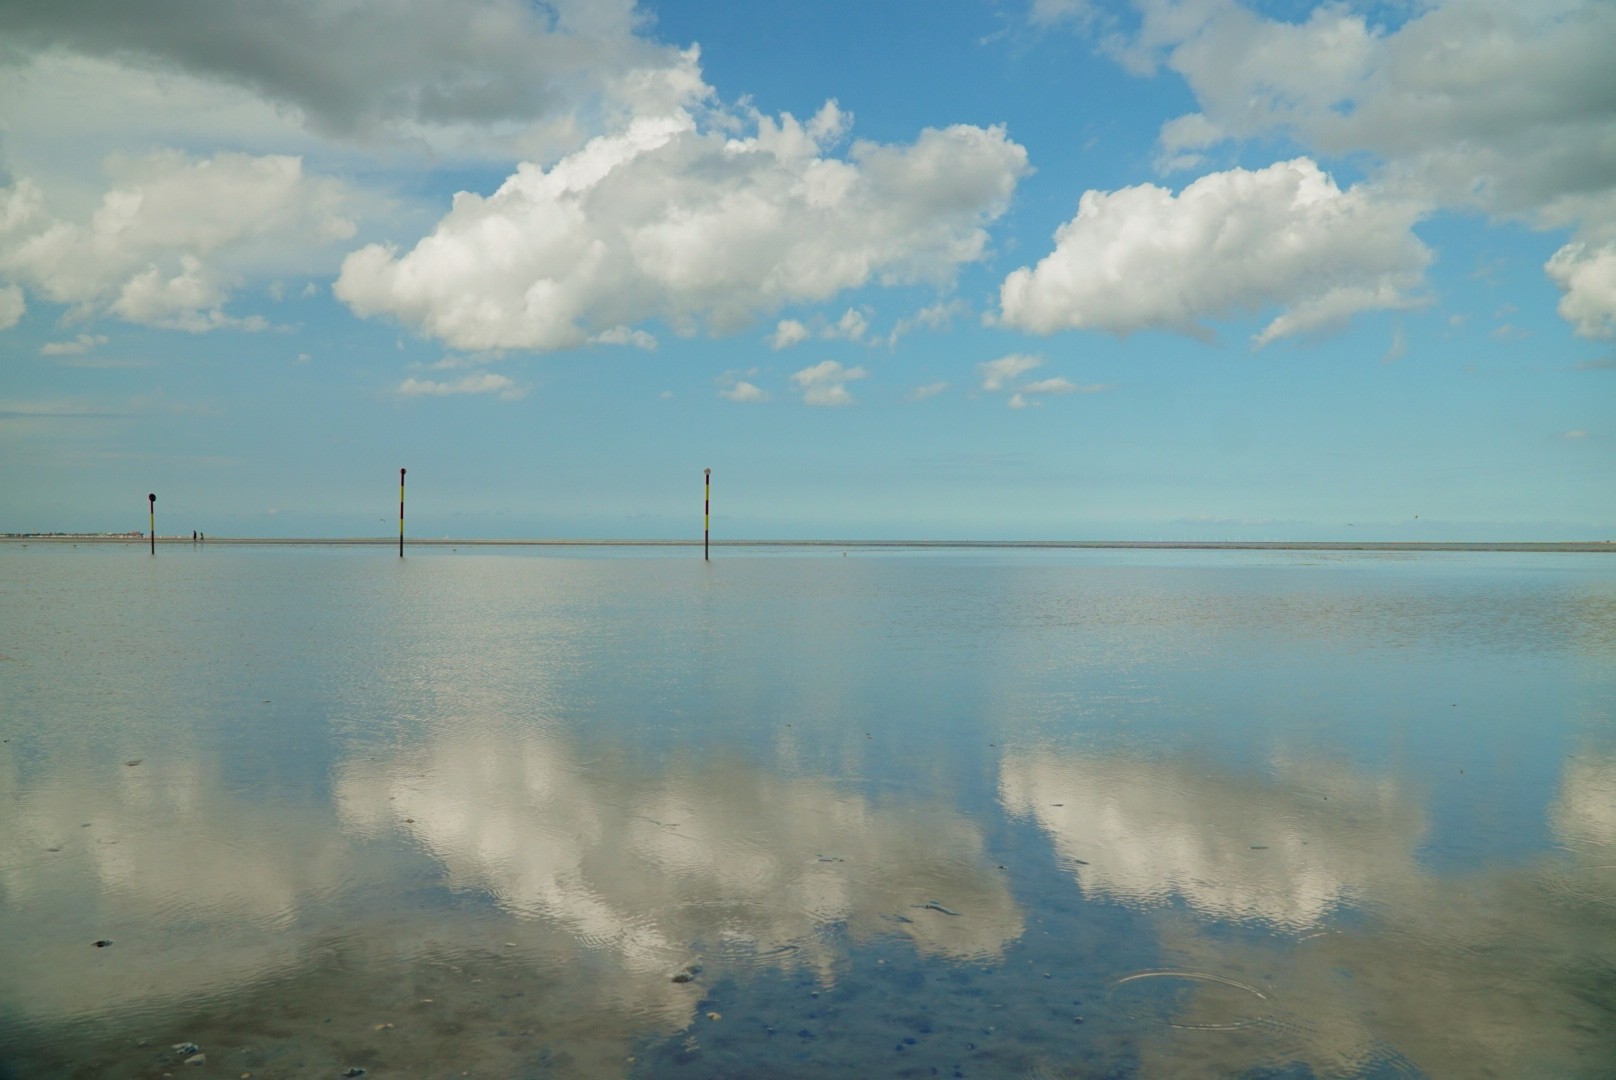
[1496, 105]
[165, 244]
[1232, 242]
[362, 67]
[673, 220]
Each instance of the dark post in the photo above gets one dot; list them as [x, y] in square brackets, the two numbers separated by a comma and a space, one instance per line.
[401, 513]
[152, 501]
[706, 512]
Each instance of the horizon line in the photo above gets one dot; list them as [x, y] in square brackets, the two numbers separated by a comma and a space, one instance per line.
[1173, 545]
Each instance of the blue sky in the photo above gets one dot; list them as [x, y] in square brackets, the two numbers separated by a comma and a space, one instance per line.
[1026, 269]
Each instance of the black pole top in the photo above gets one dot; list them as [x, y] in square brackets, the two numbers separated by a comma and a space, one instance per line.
[401, 474]
[152, 498]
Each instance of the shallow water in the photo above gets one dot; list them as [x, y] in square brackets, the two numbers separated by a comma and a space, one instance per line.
[1041, 814]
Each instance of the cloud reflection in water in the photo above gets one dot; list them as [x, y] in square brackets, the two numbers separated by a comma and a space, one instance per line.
[721, 857]
[1374, 964]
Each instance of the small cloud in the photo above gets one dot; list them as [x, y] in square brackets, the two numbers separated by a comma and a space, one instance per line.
[1603, 363]
[481, 383]
[1051, 386]
[454, 362]
[789, 332]
[825, 383]
[666, 395]
[1056, 386]
[850, 327]
[622, 335]
[1049, 13]
[77, 347]
[927, 392]
[1508, 332]
[734, 386]
[1575, 434]
[996, 373]
[1396, 350]
[743, 391]
[302, 358]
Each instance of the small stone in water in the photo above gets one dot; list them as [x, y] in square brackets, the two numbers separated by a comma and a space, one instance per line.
[132, 762]
[683, 977]
[103, 943]
[353, 1072]
[197, 1059]
[185, 1049]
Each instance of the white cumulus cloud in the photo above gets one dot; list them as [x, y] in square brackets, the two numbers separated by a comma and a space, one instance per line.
[825, 383]
[1496, 105]
[1587, 277]
[1234, 242]
[171, 237]
[678, 221]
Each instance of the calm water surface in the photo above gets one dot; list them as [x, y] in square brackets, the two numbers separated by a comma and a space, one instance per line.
[1025, 814]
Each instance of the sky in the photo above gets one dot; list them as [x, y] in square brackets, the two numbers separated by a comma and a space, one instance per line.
[999, 269]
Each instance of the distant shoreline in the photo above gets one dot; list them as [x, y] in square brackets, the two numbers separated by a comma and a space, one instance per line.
[1602, 546]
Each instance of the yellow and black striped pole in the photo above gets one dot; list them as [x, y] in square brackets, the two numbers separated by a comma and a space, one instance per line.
[706, 512]
[401, 513]
[151, 501]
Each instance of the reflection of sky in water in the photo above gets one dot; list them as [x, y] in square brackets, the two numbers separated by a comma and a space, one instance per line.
[526, 791]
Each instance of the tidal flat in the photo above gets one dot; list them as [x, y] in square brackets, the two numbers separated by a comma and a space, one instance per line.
[304, 810]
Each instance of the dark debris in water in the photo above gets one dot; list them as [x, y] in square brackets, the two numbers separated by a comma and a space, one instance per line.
[103, 943]
[352, 1072]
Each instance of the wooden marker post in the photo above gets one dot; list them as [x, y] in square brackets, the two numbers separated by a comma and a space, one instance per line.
[152, 507]
[706, 513]
[401, 513]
